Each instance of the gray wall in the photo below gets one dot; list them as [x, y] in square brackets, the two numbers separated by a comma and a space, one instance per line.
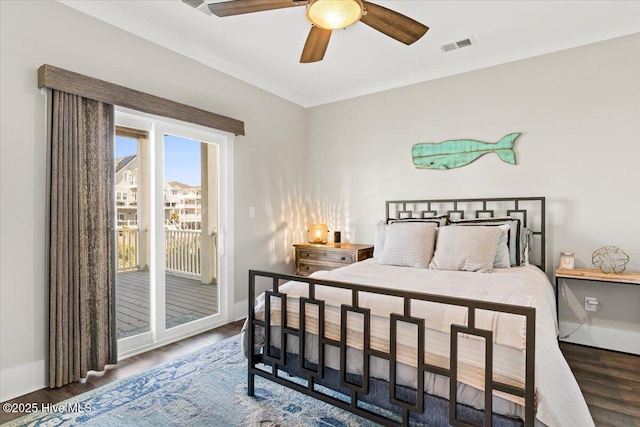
[268, 160]
[579, 114]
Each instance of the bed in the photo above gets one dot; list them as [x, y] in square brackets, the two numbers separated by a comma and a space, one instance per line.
[393, 343]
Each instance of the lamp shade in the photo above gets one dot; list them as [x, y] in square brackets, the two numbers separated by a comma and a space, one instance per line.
[334, 14]
[318, 233]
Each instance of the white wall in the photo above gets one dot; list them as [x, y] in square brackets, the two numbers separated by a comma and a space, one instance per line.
[268, 160]
[579, 114]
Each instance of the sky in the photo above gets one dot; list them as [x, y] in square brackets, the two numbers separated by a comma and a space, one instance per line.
[181, 157]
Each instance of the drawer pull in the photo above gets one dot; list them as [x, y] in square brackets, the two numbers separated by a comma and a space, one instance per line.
[343, 258]
[305, 254]
[306, 268]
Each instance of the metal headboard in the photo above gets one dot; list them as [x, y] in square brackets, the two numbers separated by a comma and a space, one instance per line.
[530, 210]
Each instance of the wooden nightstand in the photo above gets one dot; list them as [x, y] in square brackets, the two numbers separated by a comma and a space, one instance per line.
[311, 257]
[596, 275]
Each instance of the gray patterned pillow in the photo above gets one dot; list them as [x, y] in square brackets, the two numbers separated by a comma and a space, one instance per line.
[514, 233]
[409, 244]
[466, 248]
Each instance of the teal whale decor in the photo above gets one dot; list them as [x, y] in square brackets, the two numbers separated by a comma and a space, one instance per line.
[456, 153]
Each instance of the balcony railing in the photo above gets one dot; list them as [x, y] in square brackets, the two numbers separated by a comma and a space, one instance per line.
[183, 251]
[128, 259]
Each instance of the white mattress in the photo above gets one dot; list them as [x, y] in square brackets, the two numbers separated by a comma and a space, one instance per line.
[560, 402]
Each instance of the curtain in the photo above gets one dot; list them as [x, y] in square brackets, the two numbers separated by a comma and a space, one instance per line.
[82, 257]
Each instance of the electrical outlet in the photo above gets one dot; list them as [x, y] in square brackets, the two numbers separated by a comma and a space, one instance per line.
[591, 304]
[252, 212]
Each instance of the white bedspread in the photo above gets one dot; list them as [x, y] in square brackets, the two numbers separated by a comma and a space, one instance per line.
[560, 402]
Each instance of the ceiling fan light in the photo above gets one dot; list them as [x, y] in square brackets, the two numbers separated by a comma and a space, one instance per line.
[334, 14]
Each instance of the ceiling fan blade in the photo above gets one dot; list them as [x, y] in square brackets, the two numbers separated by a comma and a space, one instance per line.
[238, 7]
[393, 24]
[316, 45]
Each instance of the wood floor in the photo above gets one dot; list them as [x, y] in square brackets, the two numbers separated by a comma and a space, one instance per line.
[127, 367]
[609, 381]
[187, 299]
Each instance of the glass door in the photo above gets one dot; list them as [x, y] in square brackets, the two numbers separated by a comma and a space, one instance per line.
[190, 230]
[173, 208]
[132, 189]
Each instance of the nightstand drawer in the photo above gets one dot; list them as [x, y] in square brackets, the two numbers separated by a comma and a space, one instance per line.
[305, 269]
[335, 256]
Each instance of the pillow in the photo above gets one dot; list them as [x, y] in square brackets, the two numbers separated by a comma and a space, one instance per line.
[378, 246]
[441, 220]
[466, 249]
[502, 259]
[382, 225]
[515, 254]
[526, 243]
[409, 244]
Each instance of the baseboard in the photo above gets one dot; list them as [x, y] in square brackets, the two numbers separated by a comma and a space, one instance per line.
[21, 380]
[606, 338]
[240, 310]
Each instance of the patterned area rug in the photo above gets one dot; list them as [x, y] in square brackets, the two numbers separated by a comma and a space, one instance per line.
[204, 388]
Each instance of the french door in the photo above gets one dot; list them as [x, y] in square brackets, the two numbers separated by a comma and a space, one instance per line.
[174, 207]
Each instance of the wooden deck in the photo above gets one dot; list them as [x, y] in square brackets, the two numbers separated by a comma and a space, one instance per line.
[186, 300]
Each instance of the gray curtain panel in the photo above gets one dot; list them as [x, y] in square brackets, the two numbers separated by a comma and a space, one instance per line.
[81, 271]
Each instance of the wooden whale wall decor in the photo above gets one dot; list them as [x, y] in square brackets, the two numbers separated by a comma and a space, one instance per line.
[456, 153]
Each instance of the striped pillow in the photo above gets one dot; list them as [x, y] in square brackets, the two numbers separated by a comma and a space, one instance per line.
[515, 254]
[466, 249]
[409, 244]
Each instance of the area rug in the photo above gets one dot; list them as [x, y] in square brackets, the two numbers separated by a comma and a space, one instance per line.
[204, 388]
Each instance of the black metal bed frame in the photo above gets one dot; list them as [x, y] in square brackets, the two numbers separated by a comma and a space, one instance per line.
[511, 206]
[529, 313]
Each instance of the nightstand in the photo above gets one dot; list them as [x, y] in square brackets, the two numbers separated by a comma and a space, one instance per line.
[596, 275]
[311, 257]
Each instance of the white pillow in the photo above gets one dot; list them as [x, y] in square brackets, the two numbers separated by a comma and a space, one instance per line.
[502, 259]
[378, 247]
[466, 248]
[409, 244]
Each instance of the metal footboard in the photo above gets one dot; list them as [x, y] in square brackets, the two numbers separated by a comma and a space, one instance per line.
[529, 313]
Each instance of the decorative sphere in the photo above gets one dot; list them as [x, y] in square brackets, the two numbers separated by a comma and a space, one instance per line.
[610, 259]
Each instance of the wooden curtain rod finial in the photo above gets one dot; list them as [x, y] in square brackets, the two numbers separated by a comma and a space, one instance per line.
[110, 93]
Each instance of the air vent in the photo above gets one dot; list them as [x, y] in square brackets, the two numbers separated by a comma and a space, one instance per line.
[448, 47]
[457, 45]
[200, 5]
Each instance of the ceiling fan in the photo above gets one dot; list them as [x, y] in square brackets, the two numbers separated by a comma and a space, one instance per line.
[329, 15]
